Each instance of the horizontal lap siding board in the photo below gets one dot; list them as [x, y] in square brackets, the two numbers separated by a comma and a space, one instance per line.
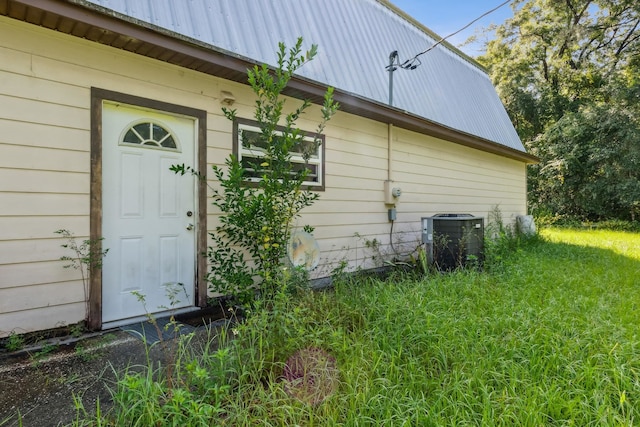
[36, 273]
[363, 167]
[38, 296]
[41, 317]
[41, 181]
[42, 158]
[31, 250]
[15, 228]
[42, 112]
[51, 93]
[30, 134]
[18, 204]
[447, 172]
[347, 193]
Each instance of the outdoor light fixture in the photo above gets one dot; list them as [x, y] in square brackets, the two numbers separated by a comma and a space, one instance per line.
[227, 98]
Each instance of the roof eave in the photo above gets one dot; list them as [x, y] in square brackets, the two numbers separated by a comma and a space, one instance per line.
[89, 21]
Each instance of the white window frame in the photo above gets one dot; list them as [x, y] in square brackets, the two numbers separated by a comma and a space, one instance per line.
[316, 159]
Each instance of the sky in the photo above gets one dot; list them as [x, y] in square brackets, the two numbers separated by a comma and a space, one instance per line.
[447, 16]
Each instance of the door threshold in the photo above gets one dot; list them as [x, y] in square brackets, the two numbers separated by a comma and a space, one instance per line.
[160, 330]
[143, 318]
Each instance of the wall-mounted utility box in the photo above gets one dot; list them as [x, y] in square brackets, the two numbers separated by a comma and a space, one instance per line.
[453, 240]
[392, 193]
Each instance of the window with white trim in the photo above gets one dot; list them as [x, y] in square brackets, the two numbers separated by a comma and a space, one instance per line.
[308, 154]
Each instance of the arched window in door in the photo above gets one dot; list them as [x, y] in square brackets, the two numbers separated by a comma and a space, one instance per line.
[150, 134]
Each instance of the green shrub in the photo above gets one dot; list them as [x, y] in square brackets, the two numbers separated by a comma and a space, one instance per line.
[251, 242]
[14, 342]
[502, 240]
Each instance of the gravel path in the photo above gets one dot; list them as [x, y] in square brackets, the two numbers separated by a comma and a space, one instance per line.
[39, 390]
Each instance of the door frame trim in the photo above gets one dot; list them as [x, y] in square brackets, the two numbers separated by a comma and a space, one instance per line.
[98, 95]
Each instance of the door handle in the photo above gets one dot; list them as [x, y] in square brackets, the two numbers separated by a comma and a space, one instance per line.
[190, 227]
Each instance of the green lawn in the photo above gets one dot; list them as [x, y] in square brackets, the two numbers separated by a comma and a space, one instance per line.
[550, 336]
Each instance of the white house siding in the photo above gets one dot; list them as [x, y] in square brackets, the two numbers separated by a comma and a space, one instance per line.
[45, 82]
[435, 177]
[440, 177]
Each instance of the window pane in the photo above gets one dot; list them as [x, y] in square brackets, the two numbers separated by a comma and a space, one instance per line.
[252, 167]
[312, 174]
[131, 137]
[144, 129]
[248, 163]
[253, 140]
[169, 143]
[306, 147]
[159, 132]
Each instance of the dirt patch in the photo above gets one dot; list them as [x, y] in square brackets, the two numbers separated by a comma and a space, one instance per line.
[38, 388]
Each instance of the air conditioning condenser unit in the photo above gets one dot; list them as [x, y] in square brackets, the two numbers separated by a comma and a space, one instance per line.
[453, 240]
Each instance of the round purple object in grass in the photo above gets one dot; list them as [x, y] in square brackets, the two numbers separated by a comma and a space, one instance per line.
[311, 375]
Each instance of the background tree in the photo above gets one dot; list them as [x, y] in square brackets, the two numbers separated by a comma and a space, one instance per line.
[568, 73]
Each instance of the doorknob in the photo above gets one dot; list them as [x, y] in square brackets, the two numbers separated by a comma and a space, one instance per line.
[190, 227]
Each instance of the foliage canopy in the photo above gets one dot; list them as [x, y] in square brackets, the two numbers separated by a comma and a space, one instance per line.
[569, 75]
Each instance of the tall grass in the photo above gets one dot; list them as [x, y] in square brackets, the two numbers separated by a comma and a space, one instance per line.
[550, 338]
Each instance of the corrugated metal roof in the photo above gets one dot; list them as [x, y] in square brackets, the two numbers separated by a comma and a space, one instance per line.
[354, 38]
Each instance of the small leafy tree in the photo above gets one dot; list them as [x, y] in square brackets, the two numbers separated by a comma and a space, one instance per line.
[87, 257]
[250, 243]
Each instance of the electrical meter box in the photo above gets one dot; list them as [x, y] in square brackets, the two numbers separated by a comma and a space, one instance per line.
[453, 240]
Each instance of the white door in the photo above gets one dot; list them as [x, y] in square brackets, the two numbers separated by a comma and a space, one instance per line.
[148, 212]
